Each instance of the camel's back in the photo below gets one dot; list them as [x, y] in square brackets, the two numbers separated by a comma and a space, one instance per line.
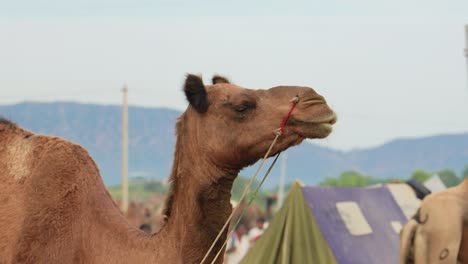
[40, 180]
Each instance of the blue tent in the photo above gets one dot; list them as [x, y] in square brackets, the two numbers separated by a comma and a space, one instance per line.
[327, 225]
[360, 225]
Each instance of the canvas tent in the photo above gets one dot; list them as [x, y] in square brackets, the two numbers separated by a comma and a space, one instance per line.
[435, 184]
[293, 236]
[332, 225]
[405, 197]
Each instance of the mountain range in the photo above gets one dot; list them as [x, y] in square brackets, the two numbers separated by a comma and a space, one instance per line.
[152, 140]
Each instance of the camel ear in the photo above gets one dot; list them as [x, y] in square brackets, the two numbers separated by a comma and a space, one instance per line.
[219, 79]
[196, 93]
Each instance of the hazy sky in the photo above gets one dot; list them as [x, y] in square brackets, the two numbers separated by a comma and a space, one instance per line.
[390, 69]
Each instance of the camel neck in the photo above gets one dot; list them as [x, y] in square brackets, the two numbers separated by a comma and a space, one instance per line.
[198, 203]
[464, 184]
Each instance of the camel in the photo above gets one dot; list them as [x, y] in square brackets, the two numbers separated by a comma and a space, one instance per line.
[54, 207]
[438, 232]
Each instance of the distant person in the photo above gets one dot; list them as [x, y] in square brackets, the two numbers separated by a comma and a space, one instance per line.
[238, 245]
[146, 228]
[256, 232]
[147, 214]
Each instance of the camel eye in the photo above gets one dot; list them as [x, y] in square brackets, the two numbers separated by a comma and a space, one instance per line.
[241, 108]
[244, 107]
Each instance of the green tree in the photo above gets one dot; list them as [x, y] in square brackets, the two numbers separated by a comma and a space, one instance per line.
[421, 175]
[374, 181]
[448, 177]
[465, 172]
[329, 181]
[154, 186]
[239, 185]
[349, 179]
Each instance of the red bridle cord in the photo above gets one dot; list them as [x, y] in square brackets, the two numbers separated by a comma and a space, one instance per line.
[294, 101]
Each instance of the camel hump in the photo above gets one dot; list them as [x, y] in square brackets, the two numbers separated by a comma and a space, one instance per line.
[24, 154]
[5, 123]
[64, 161]
[14, 152]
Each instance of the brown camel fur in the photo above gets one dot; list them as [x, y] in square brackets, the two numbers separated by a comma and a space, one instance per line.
[54, 207]
[438, 233]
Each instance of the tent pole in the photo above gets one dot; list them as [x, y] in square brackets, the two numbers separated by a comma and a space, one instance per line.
[282, 180]
[285, 246]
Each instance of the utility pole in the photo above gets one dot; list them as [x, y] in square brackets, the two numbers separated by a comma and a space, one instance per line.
[125, 149]
[282, 181]
[466, 54]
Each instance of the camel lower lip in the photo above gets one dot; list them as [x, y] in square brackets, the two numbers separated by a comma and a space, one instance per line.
[327, 126]
[327, 123]
[315, 130]
[329, 120]
[324, 129]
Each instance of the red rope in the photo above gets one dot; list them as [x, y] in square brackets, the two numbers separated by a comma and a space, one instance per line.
[294, 101]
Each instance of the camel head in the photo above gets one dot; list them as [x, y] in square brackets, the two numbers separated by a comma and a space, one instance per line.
[236, 125]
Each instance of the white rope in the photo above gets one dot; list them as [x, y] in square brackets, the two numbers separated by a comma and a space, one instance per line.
[244, 209]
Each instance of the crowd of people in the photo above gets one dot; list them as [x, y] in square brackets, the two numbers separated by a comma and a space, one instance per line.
[238, 244]
[242, 239]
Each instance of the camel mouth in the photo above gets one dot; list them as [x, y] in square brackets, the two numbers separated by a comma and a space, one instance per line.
[322, 130]
[327, 120]
[315, 128]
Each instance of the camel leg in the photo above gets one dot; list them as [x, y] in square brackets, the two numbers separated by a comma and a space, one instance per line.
[406, 240]
[439, 232]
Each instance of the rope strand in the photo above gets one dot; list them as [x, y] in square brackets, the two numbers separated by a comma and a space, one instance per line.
[246, 190]
[252, 198]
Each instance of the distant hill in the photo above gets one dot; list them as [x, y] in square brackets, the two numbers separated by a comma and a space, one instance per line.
[152, 139]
